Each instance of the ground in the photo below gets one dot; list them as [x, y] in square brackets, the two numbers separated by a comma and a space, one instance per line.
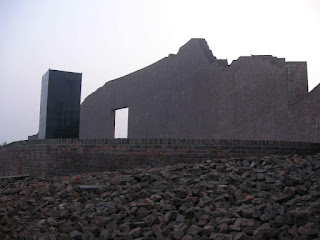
[270, 197]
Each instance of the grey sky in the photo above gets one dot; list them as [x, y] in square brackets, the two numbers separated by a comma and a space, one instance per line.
[108, 39]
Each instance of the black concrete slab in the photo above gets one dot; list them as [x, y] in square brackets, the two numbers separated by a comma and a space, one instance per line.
[60, 105]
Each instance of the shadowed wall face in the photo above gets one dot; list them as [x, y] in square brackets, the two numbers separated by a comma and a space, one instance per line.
[60, 105]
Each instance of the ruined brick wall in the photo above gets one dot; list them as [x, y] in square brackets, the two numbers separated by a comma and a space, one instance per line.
[297, 81]
[74, 156]
[194, 95]
[305, 116]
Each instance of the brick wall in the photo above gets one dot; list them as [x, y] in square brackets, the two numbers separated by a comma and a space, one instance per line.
[297, 81]
[305, 116]
[194, 95]
[73, 156]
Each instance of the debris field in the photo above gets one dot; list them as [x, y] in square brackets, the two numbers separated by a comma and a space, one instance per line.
[270, 197]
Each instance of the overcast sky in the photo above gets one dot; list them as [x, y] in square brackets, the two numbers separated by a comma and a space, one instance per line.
[108, 39]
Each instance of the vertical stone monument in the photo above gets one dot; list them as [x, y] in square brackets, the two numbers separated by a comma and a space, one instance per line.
[60, 105]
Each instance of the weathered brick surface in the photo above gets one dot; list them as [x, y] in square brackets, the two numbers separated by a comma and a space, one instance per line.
[305, 118]
[72, 156]
[193, 95]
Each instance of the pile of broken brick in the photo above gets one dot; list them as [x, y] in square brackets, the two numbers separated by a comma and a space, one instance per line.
[271, 197]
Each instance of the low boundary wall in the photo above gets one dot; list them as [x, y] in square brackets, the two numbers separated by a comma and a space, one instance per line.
[58, 157]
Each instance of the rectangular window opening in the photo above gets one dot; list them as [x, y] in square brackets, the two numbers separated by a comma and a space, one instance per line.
[121, 123]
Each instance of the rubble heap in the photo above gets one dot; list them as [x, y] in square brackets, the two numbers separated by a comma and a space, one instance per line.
[271, 197]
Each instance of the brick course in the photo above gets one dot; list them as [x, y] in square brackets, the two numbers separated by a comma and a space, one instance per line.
[56, 157]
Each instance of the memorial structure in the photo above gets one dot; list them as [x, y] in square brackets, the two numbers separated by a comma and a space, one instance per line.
[60, 105]
[182, 109]
[192, 94]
